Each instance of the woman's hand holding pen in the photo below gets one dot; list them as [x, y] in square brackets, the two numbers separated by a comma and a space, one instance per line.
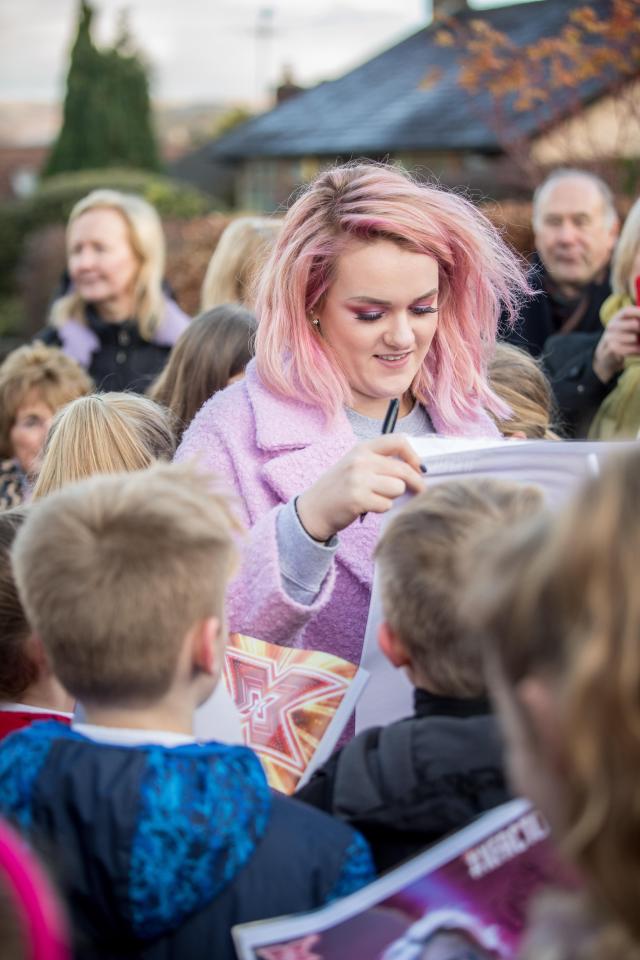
[367, 479]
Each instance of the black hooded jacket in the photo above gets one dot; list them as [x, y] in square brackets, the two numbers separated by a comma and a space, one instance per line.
[409, 784]
[159, 851]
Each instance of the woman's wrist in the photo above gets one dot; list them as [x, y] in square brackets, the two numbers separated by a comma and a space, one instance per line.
[315, 530]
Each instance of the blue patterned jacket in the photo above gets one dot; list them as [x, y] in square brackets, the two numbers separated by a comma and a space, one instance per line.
[160, 851]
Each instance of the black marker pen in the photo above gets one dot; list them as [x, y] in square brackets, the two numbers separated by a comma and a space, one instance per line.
[388, 425]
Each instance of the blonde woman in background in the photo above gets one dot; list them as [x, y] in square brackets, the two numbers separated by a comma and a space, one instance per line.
[116, 321]
[104, 433]
[619, 415]
[34, 382]
[237, 261]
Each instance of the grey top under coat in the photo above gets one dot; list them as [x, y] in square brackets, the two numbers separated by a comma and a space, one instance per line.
[304, 562]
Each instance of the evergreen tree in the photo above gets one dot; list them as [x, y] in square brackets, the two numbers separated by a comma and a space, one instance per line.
[107, 110]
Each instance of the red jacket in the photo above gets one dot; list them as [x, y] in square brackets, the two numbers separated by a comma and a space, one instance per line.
[16, 719]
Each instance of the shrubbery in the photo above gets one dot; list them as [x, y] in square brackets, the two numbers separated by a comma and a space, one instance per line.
[173, 200]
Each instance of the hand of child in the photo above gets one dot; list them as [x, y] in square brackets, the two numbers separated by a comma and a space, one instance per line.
[367, 479]
[620, 339]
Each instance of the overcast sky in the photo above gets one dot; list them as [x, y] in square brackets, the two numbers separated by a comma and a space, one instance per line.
[206, 50]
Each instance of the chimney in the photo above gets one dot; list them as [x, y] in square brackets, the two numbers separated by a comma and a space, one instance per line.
[287, 88]
[448, 8]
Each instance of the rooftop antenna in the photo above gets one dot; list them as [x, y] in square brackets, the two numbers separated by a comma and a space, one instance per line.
[264, 36]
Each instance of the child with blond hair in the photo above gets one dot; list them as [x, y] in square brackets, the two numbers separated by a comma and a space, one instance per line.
[104, 433]
[161, 844]
[519, 380]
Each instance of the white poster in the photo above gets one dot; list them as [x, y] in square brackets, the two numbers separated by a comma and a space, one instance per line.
[557, 467]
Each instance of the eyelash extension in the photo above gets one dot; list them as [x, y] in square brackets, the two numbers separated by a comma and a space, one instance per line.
[417, 311]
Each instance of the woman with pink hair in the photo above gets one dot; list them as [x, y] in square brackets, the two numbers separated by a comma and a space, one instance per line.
[378, 287]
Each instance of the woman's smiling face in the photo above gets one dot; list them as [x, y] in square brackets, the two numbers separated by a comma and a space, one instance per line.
[101, 261]
[379, 318]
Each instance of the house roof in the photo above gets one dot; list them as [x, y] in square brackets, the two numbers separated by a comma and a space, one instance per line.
[384, 105]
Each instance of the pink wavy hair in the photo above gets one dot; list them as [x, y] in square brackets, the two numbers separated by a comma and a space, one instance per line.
[479, 276]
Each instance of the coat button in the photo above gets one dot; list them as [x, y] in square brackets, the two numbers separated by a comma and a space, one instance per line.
[123, 338]
[121, 356]
[580, 388]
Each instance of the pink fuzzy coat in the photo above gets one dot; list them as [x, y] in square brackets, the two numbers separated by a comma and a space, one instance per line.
[268, 449]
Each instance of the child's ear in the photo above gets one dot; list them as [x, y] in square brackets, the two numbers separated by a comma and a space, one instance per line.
[539, 701]
[207, 647]
[392, 647]
[37, 653]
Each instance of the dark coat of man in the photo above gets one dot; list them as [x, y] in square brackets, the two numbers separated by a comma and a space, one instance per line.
[564, 335]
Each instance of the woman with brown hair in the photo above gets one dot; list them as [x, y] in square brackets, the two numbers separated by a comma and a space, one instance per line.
[34, 382]
[212, 353]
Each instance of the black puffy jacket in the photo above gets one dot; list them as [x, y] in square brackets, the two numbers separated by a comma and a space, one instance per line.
[409, 784]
